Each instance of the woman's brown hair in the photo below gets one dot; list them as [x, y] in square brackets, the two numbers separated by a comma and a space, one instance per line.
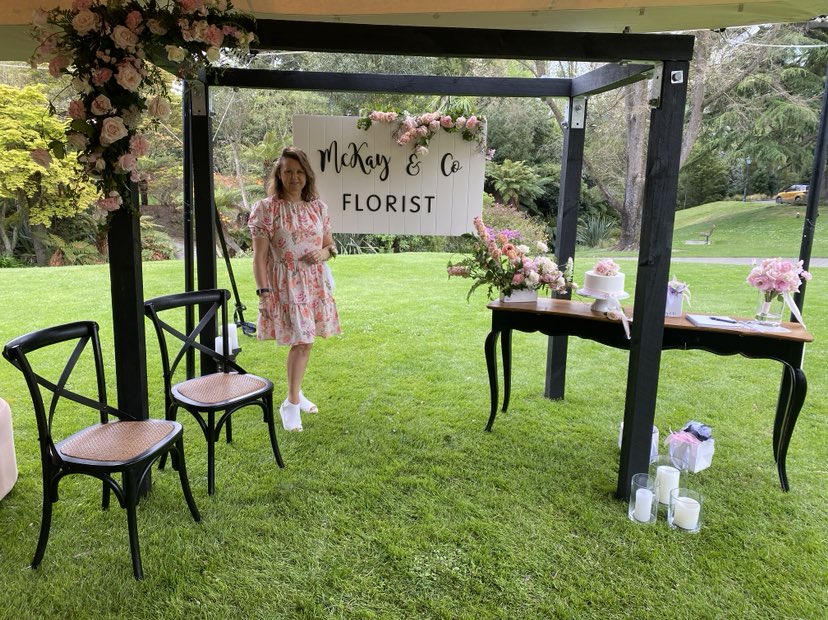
[274, 185]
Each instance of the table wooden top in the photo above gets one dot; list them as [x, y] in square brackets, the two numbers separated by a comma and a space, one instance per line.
[583, 310]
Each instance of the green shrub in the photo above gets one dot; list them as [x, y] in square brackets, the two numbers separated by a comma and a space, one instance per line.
[596, 231]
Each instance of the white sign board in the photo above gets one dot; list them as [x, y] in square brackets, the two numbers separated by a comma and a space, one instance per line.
[371, 184]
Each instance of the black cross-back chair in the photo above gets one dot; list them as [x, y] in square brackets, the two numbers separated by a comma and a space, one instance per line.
[127, 446]
[223, 392]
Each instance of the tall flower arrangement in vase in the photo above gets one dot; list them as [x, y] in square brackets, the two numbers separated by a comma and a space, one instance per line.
[777, 279]
[505, 267]
[112, 51]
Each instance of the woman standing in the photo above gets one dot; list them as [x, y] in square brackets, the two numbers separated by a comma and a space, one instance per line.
[291, 241]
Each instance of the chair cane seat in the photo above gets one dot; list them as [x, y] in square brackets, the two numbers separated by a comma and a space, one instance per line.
[117, 441]
[220, 387]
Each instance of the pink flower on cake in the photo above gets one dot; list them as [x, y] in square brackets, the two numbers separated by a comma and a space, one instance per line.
[606, 267]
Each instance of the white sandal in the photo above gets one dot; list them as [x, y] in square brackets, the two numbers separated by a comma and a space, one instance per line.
[306, 405]
[291, 418]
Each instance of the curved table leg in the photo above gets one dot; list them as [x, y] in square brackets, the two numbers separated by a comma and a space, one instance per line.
[799, 387]
[491, 366]
[782, 405]
[506, 352]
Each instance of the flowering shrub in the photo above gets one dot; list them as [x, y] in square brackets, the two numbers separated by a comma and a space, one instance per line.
[418, 130]
[503, 266]
[108, 49]
[606, 267]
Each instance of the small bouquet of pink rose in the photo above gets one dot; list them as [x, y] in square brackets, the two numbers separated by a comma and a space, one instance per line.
[693, 444]
[606, 267]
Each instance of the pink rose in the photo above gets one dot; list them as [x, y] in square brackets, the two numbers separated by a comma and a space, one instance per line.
[460, 122]
[124, 38]
[101, 76]
[158, 107]
[101, 105]
[128, 77]
[42, 157]
[112, 130]
[78, 140]
[85, 22]
[133, 20]
[214, 36]
[517, 279]
[189, 6]
[433, 126]
[111, 202]
[471, 123]
[58, 64]
[77, 111]
[127, 162]
[446, 122]
[80, 5]
[138, 145]
[156, 27]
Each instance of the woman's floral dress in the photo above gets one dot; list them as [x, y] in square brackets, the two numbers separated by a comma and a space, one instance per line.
[301, 306]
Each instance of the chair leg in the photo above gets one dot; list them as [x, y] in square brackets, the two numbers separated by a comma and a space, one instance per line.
[211, 453]
[171, 415]
[105, 498]
[271, 428]
[45, 525]
[185, 481]
[131, 497]
[229, 430]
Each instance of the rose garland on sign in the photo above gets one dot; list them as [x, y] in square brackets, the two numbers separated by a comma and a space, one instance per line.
[417, 130]
[112, 50]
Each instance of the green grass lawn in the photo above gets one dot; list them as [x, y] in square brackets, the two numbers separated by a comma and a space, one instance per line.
[743, 229]
[396, 504]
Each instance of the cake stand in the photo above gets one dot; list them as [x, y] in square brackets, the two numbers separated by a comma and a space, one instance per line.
[602, 300]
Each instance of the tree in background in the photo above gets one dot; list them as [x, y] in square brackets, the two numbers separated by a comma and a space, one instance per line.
[34, 195]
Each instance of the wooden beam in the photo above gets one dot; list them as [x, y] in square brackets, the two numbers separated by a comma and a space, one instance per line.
[469, 42]
[373, 83]
[657, 219]
[568, 202]
[608, 77]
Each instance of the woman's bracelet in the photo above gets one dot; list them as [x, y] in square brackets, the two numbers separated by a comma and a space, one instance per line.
[331, 250]
[262, 291]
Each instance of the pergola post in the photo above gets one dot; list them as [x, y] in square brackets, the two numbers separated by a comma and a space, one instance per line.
[201, 149]
[567, 228]
[657, 219]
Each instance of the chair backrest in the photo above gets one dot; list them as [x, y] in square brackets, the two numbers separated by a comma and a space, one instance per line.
[18, 352]
[174, 338]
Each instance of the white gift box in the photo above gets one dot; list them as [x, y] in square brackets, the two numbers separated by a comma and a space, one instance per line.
[675, 304]
[653, 446]
[697, 455]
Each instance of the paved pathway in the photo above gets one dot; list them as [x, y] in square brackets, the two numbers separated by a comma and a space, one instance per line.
[814, 262]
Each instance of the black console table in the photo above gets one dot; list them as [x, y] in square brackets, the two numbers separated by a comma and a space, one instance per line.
[561, 317]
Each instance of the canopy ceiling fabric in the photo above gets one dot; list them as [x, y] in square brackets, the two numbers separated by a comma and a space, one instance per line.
[549, 15]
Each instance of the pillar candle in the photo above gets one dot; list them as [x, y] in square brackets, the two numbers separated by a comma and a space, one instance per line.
[219, 348]
[232, 337]
[643, 505]
[667, 479]
[686, 512]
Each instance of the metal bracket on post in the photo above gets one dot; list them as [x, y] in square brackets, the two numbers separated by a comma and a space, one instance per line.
[655, 85]
[198, 97]
[577, 113]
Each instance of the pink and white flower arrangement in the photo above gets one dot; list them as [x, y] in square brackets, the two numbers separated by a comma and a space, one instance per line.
[778, 278]
[112, 50]
[417, 130]
[606, 267]
[775, 276]
[505, 267]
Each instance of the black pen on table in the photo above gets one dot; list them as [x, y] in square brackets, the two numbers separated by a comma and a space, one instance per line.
[723, 320]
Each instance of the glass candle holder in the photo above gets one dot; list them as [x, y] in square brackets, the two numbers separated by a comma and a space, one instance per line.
[668, 473]
[685, 510]
[643, 501]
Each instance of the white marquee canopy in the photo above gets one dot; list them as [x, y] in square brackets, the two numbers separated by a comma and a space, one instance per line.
[543, 15]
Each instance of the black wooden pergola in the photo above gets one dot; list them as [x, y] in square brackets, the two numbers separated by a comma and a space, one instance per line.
[628, 58]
